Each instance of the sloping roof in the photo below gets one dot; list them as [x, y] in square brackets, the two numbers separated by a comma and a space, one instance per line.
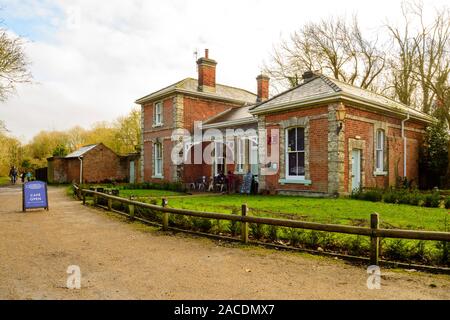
[81, 151]
[322, 88]
[232, 114]
[190, 85]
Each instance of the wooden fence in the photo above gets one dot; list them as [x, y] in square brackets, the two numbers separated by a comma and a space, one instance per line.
[374, 232]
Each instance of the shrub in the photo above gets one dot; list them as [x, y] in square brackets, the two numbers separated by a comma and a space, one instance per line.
[273, 233]
[312, 239]
[390, 197]
[432, 200]
[202, 224]
[356, 246]
[356, 194]
[235, 226]
[257, 230]
[419, 252]
[180, 221]
[372, 195]
[403, 198]
[415, 199]
[447, 202]
[170, 186]
[396, 249]
[294, 236]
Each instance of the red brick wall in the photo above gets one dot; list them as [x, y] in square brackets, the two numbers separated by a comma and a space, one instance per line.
[167, 113]
[318, 150]
[365, 131]
[151, 133]
[196, 109]
[206, 75]
[263, 88]
[167, 161]
[101, 163]
[73, 170]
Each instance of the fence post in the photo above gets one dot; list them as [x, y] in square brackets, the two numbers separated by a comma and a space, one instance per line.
[244, 225]
[95, 200]
[131, 211]
[165, 215]
[109, 204]
[374, 241]
[84, 198]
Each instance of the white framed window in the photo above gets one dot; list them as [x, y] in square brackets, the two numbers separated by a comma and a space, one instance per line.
[253, 154]
[295, 153]
[219, 158]
[158, 114]
[158, 159]
[379, 150]
[240, 154]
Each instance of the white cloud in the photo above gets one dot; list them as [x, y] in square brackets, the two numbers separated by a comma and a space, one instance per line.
[92, 59]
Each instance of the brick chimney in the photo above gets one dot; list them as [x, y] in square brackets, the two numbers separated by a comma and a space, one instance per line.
[263, 87]
[206, 73]
[310, 75]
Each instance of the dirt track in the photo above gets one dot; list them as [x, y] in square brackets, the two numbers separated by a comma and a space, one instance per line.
[119, 260]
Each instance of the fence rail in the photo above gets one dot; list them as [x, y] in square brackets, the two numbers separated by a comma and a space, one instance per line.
[374, 232]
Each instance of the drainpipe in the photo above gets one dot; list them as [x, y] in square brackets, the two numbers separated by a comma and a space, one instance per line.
[404, 144]
[81, 170]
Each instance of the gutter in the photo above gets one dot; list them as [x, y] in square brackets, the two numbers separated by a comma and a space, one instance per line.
[338, 96]
[230, 123]
[81, 169]
[161, 94]
[404, 144]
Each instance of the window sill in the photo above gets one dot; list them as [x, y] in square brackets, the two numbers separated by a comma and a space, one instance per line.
[157, 177]
[380, 173]
[295, 181]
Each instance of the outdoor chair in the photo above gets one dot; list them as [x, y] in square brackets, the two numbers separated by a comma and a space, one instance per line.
[200, 184]
[211, 185]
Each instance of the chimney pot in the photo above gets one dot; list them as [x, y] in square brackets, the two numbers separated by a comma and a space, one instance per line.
[207, 53]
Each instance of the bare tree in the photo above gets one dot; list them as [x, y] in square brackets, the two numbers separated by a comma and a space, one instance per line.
[402, 60]
[433, 60]
[13, 64]
[334, 47]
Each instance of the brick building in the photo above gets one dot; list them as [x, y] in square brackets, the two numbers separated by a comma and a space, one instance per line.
[328, 137]
[93, 164]
[177, 107]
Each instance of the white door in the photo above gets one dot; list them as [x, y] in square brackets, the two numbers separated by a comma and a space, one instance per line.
[356, 168]
[132, 172]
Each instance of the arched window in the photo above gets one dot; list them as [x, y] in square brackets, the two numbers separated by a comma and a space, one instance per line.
[379, 151]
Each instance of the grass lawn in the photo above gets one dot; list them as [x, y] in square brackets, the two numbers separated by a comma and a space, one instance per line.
[148, 193]
[4, 181]
[337, 211]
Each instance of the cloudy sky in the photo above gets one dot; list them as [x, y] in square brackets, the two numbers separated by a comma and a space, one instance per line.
[92, 59]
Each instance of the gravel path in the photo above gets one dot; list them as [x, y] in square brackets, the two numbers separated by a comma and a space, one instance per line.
[121, 260]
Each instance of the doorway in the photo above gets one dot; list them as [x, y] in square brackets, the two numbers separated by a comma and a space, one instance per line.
[356, 169]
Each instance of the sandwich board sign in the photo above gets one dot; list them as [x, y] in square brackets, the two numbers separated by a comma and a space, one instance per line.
[34, 195]
[247, 183]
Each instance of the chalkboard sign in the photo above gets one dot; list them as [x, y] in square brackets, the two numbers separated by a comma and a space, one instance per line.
[247, 183]
[34, 195]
